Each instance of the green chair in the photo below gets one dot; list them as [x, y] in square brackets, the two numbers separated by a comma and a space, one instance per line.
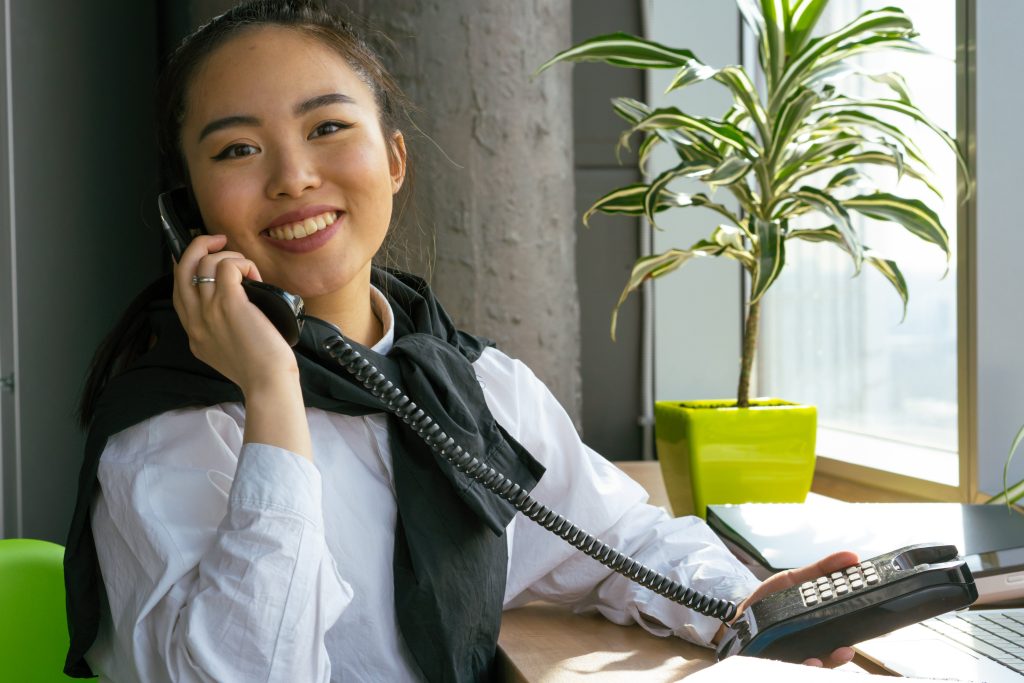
[33, 624]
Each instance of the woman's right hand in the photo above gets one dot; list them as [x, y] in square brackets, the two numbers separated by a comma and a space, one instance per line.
[231, 335]
[225, 330]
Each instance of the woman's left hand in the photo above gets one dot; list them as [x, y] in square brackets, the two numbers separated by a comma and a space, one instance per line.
[794, 577]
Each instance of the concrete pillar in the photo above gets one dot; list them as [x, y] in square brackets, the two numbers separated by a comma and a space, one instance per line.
[493, 219]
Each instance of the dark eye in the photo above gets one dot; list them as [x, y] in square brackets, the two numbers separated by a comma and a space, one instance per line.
[328, 127]
[236, 151]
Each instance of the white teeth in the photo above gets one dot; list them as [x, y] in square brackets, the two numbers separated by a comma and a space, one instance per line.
[303, 228]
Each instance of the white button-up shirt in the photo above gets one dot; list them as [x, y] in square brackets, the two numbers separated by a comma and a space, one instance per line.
[225, 561]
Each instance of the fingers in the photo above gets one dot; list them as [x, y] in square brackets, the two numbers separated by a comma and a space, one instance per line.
[204, 258]
[839, 656]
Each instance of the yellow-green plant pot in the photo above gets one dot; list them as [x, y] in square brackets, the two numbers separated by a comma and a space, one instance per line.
[712, 452]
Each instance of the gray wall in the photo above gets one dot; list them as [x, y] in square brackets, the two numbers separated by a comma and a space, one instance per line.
[83, 235]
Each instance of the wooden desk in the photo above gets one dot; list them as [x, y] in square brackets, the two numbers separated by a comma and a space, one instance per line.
[549, 644]
[543, 643]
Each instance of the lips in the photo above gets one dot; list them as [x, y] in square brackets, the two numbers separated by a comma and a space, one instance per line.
[302, 228]
[286, 237]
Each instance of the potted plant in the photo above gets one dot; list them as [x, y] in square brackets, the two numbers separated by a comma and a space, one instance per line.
[797, 148]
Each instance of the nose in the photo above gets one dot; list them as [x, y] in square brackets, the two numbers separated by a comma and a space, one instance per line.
[292, 174]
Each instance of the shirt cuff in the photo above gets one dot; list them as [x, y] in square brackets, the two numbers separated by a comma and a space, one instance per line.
[269, 477]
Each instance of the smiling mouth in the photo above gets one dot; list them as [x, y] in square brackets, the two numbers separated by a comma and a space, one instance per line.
[303, 228]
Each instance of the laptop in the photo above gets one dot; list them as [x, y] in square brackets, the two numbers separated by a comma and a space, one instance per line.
[977, 645]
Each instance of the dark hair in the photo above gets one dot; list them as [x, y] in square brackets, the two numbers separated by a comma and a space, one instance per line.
[131, 336]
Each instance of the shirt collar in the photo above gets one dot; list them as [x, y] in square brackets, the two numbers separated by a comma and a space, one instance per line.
[382, 309]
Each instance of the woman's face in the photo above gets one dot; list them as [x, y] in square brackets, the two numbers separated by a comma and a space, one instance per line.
[287, 158]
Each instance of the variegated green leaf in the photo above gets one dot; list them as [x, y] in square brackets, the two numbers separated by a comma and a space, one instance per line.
[888, 268]
[714, 130]
[648, 268]
[770, 254]
[833, 63]
[633, 111]
[690, 73]
[804, 18]
[914, 113]
[774, 38]
[875, 158]
[629, 200]
[752, 15]
[891, 272]
[912, 214]
[736, 79]
[887, 22]
[832, 209]
[864, 120]
[896, 82]
[792, 115]
[622, 49]
[727, 240]
[644, 152]
[845, 178]
[729, 171]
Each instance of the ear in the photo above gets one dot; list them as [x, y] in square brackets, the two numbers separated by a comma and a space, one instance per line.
[397, 160]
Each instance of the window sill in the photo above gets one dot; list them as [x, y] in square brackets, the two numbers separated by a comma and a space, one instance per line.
[932, 465]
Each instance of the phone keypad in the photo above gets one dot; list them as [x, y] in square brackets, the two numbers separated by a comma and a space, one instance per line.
[838, 584]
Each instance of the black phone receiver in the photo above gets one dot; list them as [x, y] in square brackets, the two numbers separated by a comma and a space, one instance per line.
[181, 222]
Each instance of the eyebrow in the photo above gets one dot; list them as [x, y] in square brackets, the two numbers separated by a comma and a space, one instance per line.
[301, 108]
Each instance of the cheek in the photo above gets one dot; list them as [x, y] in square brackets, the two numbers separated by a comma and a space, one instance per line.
[224, 202]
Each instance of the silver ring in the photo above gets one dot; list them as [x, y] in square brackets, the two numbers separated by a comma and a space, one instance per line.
[199, 279]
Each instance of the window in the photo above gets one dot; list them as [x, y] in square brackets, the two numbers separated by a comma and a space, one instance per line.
[886, 392]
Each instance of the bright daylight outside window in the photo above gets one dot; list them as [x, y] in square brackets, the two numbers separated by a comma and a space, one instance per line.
[886, 392]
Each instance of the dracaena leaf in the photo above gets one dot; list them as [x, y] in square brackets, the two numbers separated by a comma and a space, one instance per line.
[628, 200]
[804, 17]
[915, 114]
[844, 178]
[631, 110]
[648, 268]
[770, 255]
[874, 158]
[886, 22]
[699, 127]
[888, 268]
[774, 38]
[832, 209]
[912, 214]
[622, 49]
[863, 120]
[731, 170]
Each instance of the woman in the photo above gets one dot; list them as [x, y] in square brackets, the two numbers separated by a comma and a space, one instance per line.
[253, 515]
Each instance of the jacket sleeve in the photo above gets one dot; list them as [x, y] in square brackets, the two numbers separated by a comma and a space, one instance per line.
[600, 498]
[213, 556]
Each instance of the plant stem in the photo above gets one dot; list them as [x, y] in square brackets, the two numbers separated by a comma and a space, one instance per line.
[749, 349]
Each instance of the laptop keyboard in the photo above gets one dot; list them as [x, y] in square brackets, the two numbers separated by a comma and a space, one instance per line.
[996, 635]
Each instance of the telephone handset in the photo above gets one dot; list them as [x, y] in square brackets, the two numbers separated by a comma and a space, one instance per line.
[908, 585]
[861, 602]
[181, 222]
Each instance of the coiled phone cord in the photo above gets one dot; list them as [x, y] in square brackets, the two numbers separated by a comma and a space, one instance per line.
[406, 410]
